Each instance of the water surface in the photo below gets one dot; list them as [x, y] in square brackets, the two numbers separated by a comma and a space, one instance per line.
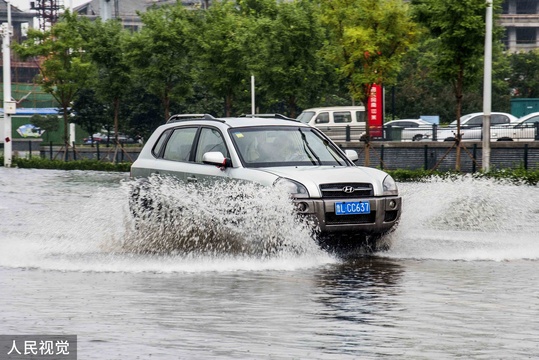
[460, 279]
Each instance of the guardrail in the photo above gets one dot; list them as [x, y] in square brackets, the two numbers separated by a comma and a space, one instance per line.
[434, 133]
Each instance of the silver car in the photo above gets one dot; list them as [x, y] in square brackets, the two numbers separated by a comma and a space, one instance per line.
[323, 181]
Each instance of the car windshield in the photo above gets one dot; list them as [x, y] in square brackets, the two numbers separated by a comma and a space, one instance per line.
[284, 146]
[305, 116]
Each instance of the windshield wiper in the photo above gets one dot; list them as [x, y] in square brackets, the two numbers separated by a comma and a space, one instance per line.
[329, 150]
[307, 146]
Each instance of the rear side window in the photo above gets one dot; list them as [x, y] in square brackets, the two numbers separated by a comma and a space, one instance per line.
[475, 121]
[322, 118]
[158, 148]
[210, 140]
[360, 116]
[342, 117]
[178, 147]
[498, 119]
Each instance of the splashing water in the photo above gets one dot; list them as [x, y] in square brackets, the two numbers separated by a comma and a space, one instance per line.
[467, 219]
[226, 217]
[82, 221]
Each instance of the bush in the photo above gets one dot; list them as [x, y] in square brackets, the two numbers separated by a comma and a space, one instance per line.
[40, 163]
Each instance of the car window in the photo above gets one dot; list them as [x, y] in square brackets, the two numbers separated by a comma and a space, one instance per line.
[498, 119]
[178, 147]
[360, 116]
[409, 124]
[342, 117]
[210, 140]
[322, 118]
[158, 148]
[475, 121]
[305, 116]
[531, 121]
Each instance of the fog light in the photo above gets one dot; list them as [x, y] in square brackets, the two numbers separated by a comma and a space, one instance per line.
[302, 207]
[392, 204]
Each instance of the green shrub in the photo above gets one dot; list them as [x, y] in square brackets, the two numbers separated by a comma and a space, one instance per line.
[40, 163]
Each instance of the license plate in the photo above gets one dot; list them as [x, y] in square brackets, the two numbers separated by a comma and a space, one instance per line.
[352, 207]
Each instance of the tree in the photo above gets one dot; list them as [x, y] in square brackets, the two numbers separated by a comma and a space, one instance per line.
[367, 39]
[106, 42]
[90, 112]
[223, 55]
[286, 61]
[160, 53]
[64, 66]
[457, 30]
[524, 78]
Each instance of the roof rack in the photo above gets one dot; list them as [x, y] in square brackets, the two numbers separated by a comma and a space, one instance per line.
[271, 116]
[188, 117]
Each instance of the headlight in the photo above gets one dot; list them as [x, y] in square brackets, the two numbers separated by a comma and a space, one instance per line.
[390, 186]
[294, 188]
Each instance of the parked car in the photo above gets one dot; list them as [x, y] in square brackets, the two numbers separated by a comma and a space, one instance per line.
[104, 138]
[471, 126]
[412, 129]
[323, 181]
[334, 120]
[523, 129]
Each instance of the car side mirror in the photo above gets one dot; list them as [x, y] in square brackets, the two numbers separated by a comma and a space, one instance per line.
[216, 158]
[351, 155]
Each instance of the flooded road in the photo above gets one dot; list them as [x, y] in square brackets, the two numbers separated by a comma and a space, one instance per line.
[461, 279]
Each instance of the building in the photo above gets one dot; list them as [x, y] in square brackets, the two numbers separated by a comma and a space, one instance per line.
[520, 18]
[128, 11]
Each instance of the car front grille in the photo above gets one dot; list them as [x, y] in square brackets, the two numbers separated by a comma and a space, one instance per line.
[339, 190]
[333, 219]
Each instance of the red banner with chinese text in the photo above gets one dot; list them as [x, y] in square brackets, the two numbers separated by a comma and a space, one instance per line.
[375, 111]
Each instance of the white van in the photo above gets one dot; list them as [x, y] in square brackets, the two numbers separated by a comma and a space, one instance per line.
[334, 120]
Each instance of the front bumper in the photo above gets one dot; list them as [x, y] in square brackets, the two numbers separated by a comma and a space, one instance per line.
[385, 213]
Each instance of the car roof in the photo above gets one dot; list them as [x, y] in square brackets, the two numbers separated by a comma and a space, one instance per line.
[235, 122]
[334, 108]
[416, 120]
[527, 116]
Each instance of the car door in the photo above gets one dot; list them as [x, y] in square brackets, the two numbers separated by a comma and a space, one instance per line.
[174, 151]
[209, 140]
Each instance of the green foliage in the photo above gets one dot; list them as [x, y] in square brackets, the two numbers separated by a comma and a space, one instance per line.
[160, 54]
[39, 163]
[367, 39]
[524, 79]
[106, 42]
[90, 112]
[64, 65]
[223, 53]
[296, 75]
[48, 123]
[455, 49]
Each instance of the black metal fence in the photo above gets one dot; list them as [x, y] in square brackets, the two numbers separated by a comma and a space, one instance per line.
[442, 155]
[432, 133]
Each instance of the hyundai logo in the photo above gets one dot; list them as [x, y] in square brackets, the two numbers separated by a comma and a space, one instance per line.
[348, 189]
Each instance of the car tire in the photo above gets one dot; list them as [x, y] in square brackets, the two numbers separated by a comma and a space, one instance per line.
[449, 139]
[504, 139]
[417, 137]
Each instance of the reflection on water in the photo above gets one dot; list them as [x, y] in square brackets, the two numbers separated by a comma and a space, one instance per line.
[354, 290]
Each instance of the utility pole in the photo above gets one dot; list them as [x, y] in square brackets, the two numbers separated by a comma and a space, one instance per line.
[487, 89]
[9, 105]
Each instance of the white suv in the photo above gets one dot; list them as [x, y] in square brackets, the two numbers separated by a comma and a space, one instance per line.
[322, 180]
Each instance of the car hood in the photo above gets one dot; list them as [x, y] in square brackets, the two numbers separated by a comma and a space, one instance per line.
[312, 177]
